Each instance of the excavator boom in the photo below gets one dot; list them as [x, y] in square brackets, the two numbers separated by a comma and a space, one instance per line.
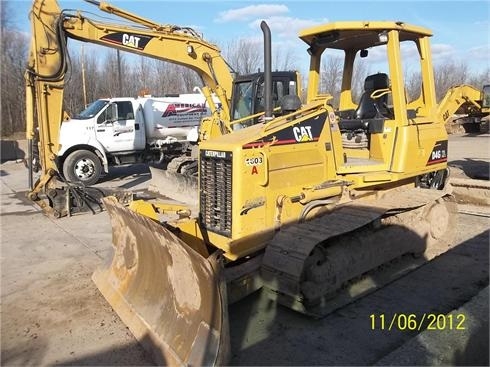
[182, 46]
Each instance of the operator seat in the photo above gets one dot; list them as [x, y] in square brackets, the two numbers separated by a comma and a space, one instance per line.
[368, 107]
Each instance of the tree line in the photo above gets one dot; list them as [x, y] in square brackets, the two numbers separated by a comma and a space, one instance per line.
[112, 74]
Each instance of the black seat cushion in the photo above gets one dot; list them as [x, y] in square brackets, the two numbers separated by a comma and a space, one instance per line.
[368, 107]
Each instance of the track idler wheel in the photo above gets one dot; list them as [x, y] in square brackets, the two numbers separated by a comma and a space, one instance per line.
[441, 220]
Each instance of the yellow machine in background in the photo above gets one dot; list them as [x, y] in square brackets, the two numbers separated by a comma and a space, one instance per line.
[301, 204]
[475, 104]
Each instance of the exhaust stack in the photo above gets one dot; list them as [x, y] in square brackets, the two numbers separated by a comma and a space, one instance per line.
[267, 71]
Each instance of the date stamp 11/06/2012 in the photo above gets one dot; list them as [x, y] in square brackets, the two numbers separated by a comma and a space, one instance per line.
[411, 322]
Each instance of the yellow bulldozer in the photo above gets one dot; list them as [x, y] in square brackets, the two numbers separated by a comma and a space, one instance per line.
[303, 203]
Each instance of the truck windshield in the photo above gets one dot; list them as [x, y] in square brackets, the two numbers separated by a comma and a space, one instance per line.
[91, 110]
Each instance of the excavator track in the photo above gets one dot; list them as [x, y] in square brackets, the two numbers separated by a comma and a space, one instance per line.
[183, 165]
[318, 266]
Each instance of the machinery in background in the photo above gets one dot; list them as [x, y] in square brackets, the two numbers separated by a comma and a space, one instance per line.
[82, 162]
[471, 105]
[120, 131]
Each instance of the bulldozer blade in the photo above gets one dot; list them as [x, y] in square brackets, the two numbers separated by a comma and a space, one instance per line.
[171, 298]
[174, 185]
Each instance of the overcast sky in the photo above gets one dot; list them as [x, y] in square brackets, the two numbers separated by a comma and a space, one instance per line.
[461, 28]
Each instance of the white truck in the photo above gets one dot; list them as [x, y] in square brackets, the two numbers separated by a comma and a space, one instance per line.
[118, 131]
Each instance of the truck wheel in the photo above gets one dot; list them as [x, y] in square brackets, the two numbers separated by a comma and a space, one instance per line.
[82, 166]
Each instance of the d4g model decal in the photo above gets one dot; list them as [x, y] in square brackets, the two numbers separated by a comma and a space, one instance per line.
[439, 153]
[131, 40]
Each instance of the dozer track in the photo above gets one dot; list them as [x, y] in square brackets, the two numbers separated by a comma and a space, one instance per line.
[318, 266]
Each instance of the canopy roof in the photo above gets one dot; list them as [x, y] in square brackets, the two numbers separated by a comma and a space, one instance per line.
[358, 35]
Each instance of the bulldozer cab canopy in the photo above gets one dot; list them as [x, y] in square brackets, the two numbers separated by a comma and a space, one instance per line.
[357, 35]
[351, 41]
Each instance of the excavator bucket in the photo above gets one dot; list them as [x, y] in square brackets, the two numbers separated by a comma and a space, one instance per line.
[175, 186]
[172, 299]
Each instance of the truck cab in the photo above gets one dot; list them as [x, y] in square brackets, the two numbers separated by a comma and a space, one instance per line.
[109, 124]
[118, 131]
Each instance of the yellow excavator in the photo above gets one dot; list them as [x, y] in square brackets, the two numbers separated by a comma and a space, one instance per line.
[474, 103]
[309, 203]
[48, 65]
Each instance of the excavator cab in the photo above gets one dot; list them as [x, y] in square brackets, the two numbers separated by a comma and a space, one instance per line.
[486, 97]
[248, 94]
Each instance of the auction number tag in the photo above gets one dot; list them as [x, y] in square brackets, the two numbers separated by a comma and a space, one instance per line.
[254, 161]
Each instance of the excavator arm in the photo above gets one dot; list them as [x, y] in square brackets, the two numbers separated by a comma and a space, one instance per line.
[457, 96]
[182, 46]
[44, 94]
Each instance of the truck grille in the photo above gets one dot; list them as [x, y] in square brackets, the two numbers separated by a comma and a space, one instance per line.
[215, 191]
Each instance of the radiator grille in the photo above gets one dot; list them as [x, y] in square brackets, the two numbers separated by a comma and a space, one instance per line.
[215, 191]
